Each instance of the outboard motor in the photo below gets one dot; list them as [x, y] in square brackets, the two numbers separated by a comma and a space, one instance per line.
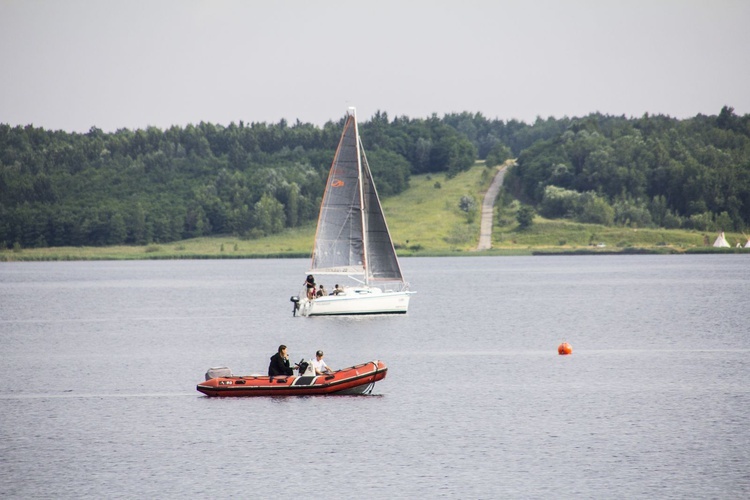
[306, 368]
[295, 308]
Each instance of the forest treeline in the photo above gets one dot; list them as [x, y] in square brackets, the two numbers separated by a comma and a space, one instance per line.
[152, 185]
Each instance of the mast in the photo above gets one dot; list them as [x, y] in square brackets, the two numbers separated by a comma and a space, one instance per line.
[362, 207]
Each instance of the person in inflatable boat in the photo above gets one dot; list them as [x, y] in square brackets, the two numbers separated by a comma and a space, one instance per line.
[279, 364]
[320, 366]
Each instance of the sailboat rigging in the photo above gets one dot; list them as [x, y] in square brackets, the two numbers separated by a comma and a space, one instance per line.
[352, 240]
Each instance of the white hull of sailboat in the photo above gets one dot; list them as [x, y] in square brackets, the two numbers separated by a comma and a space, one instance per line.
[361, 302]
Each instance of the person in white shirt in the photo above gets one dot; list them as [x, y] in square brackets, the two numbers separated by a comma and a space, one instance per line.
[320, 366]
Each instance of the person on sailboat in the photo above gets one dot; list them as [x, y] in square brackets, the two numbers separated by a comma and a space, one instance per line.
[321, 291]
[320, 366]
[310, 284]
[279, 364]
[337, 290]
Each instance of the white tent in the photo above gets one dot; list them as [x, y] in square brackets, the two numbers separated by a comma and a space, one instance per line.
[747, 245]
[721, 241]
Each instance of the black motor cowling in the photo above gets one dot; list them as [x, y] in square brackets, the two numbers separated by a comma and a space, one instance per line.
[302, 366]
[295, 300]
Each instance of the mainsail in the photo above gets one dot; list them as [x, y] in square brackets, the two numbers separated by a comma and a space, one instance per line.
[352, 236]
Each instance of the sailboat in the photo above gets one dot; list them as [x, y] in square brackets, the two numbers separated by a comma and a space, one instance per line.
[352, 241]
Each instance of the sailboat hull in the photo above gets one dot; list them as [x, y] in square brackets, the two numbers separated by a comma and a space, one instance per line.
[358, 301]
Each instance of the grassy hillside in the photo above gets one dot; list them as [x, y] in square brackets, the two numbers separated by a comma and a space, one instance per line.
[424, 220]
[427, 217]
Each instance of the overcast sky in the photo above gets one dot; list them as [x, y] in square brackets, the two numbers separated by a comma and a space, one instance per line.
[75, 64]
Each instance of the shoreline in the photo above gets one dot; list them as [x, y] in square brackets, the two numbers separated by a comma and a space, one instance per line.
[50, 255]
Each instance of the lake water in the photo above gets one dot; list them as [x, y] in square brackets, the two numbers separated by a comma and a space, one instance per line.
[100, 362]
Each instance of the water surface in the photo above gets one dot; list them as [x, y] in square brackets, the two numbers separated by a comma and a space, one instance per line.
[100, 362]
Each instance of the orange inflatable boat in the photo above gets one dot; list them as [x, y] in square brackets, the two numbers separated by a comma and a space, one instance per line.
[359, 379]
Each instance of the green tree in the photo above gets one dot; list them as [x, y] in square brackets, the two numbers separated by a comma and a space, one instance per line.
[117, 230]
[525, 217]
[468, 205]
[391, 171]
[269, 215]
[498, 154]
[559, 202]
[594, 209]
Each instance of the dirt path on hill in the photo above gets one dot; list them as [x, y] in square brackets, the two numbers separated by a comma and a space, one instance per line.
[485, 228]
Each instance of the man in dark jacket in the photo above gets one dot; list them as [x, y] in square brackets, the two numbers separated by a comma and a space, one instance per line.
[280, 363]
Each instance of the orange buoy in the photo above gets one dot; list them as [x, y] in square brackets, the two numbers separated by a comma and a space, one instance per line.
[564, 349]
